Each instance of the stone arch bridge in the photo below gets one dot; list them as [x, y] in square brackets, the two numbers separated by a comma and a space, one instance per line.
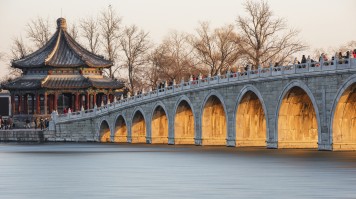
[311, 105]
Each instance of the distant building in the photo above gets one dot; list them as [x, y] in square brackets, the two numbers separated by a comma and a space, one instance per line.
[60, 75]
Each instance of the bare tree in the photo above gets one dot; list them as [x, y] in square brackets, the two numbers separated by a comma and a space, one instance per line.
[110, 24]
[216, 49]
[19, 49]
[134, 45]
[177, 59]
[73, 31]
[157, 60]
[12, 71]
[39, 31]
[265, 38]
[90, 32]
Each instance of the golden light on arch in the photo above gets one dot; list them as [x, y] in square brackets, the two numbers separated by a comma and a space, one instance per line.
[344, 121]
[213, 122]
[184, 124]
[250, 121]
[297, 122]
[138, 129]
[159, 126]
[120, 130]
[104, 132]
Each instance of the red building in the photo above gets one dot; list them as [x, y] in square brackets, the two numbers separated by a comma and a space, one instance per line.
[60, 75]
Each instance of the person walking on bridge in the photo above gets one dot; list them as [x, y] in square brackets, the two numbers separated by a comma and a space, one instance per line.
[11, 122]
[304, 60]
[42, 123]
[27, 123]
[36, 123]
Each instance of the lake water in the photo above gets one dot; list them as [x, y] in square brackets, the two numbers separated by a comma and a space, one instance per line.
[158, 171]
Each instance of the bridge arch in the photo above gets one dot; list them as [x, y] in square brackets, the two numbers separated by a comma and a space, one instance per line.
[251, 118]
[138, 126]
[297, 117]
[343, 116]
[120, 128]
[184, 121]
[159, 124]
[214, 119]
[104, 131]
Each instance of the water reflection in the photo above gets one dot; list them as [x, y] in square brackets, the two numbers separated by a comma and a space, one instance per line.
[155, 171]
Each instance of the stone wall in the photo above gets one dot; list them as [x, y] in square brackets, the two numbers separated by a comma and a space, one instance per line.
[78, 131]
[21, 135]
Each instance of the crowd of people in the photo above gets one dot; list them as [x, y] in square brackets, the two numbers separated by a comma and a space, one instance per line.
[341, 58]
[39, 122]
[6, 123]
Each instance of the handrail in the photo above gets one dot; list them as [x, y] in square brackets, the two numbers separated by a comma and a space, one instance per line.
[308, 67]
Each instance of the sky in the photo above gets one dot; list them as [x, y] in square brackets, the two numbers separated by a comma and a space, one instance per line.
[322, 24]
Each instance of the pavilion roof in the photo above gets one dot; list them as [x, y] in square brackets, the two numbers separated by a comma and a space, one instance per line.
[63, 82]
[62, 51]
[32, 82]
[79, 81]
[24, 83]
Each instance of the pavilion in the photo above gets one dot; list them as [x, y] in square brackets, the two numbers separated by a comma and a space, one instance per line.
[60, 75]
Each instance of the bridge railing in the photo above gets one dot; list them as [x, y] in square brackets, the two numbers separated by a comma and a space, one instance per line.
[308, 67]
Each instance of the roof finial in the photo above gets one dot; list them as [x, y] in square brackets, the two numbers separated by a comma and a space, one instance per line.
[61, 23]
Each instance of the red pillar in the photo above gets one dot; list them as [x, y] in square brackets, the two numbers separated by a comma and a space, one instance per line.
[13, 104]
[87, 98]
[32, 110]
[111, 98]
[25, 104]
[90, 102]
[77, 102]
[50, 100]
[55, 101]
[72, 102]
[45, 103]
[38, 104]
[20, 104]
[94, 100]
